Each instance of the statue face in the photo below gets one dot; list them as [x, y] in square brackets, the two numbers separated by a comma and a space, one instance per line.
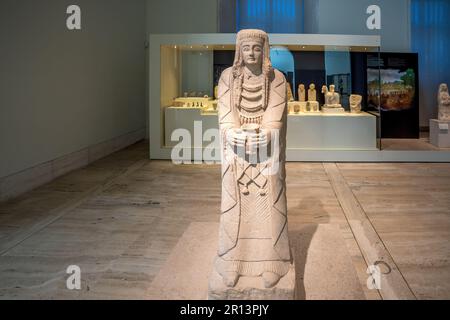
[332, 88]
[312, 86]
[302, 87]
[252, 52]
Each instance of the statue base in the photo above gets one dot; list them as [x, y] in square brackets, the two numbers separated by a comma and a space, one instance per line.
[312, 106]
[333, 109]
[440, 133]
[252, 288]
[323, 266]
[295, 107]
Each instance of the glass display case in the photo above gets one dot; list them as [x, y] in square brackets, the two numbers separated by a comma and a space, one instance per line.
[329, 77]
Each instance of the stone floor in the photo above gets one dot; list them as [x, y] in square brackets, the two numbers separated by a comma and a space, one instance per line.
[119, 219]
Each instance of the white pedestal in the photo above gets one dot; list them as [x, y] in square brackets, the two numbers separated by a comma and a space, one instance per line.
[440, 133]
[296, 107]
[313, 106]
[184, 118]
[333, 110]
[327, 131]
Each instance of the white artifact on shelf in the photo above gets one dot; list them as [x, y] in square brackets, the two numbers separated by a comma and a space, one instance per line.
[192, 102]
[443, 103]
[216, 92]
[290, 96]
[313, 105]
[295, 107]
[301, 93]
[254, 258]
[332, 100]
[355, 103]
[312, 94]
[303, 106]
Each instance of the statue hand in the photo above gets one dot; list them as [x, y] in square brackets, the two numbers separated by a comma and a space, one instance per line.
[259, 140]
[236, 138]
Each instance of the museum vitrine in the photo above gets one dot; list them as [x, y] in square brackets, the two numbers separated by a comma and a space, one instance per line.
[329, 79]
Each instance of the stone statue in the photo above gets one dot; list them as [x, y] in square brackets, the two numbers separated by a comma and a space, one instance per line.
[216, 92]
[444, 103]
[253, 232]
[332, 100]
[301, 93]
[313, 105]
[326, 94]
[312, 95]
[290, 96]
[334, 97]
[355, 103]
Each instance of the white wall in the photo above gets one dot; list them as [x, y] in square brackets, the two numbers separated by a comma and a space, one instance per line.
[179, 16]
[62, 91]
[349, 17]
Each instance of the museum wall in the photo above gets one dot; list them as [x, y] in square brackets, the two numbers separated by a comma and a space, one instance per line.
[62, 91]
[349, 17]
[179, 16]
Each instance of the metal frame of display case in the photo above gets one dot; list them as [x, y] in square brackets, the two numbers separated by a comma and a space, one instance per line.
[307, 42]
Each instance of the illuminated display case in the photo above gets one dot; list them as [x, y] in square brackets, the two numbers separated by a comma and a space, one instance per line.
[328, 78]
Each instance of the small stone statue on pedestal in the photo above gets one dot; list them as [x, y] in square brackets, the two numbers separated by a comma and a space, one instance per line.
[355, 103]
[301, 93]
[290, 96]
[312, 95]
[254, 260]
[443, 103]
[332, 100]
[440, 128]
[312, 98]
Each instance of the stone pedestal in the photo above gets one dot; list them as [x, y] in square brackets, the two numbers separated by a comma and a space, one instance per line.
[333, 109]
[249, 288]
[313, 106]
[440, 133]
[295, 107]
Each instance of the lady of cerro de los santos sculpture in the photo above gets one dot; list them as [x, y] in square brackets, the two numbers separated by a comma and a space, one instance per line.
[253, 233]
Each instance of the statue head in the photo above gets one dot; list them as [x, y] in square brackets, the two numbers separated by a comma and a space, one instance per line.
[443, 87]
[324, 89]
[312, 86]
[332, 87]
[301, 87]
[252, 48]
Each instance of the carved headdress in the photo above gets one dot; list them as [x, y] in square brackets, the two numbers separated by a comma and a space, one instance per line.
[252, 35]
[238, 65]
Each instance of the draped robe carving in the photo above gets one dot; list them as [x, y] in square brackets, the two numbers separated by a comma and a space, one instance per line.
[268, 251]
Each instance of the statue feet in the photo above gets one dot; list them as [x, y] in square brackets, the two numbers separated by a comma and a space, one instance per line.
[270, 279]
[230, 279]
